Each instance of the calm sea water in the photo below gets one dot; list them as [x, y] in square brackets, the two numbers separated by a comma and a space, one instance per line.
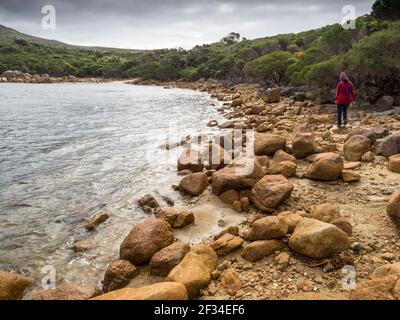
[69, 150]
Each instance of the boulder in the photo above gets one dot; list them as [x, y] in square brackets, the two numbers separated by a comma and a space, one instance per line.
[394, 163]
[177, 218]
[118, 275]
[389, 145]
[13, 285]
[190, 160]
[349, 176]
[303, 142]
[267, 228]
[271, 95]
[230, 281]
[268, 193]
[384, 103]
[242, 174]
[226, 243]
[386, 270]
[326, 212]
[368, 133]
[91, 223]
[216, 157]
[82, 246]
[284, 168]
[281, 156]
[145, 239]
[168, 258]
[194, 184]
[156, 291]
[393, 207]
[194, 271]
[317, 239]
[326, 167]
[67, 291]
[259, 249]
[355, 147]
[375, 289]
[229, 196]
[291, 219]
[380, 132]
[268, 144]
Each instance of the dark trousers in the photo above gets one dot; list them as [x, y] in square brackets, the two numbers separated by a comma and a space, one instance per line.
[342, 112]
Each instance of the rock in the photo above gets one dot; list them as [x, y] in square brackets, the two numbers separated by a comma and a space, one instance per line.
[368, 133]
[326, 212]
[303, 142]
[386, 270]
[194, 271]
[352, 165]
[285, 168]
[393, 207]
[177, 218]
[375, 289]
[212, 123]
[237, 206]
[394, 163]
[385, 103]
[348, 176]
[389, 146]
[267, 228]
[317, 239]
[291, 219]
[282, 261]
[268, 193]
[244, 204]
[148, 201]
[315, 296]
[168, 258]
[226, 243]
[281, 156]
[156, 291]
[242, 174]
[13, 285]
[216, 157]
[355, 147]
[267, 144]
[91, 223]
[230, 281]
[300, 96]
[368, 157]
[380, 132]
[259, 249]
[263, 161]
[190, 160]
[326, 167]
[271, 95]
[232, 230]
[67, 291]
[194, 184]
[343, 225]
[118, 275]
[82, 245]
[229, 196]
[145, 239]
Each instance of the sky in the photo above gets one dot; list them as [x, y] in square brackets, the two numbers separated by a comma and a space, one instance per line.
[154, 24]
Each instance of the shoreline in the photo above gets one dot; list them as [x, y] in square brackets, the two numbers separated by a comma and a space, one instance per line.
[244, 107]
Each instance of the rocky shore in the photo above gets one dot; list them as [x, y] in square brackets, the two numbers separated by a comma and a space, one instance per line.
[320, 209]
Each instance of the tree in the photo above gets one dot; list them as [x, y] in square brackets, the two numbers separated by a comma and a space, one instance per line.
[271, 67]
[386, 9]
[231, 38]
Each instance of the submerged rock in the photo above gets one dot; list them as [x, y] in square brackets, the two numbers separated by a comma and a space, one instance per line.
[96, 220]
[68, 291]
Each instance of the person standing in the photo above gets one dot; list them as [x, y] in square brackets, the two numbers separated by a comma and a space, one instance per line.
[345, 95]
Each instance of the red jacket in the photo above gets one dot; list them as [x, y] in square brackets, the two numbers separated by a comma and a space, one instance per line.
[345, 92]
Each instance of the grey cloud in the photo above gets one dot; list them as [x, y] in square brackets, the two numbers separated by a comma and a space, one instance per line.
[171, 23]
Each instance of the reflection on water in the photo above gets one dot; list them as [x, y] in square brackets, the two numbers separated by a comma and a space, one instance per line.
[68, 150]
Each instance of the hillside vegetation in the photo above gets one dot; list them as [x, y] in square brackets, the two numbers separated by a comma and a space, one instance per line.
[370, 54]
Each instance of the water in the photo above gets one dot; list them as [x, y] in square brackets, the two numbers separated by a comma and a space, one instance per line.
[69, 150]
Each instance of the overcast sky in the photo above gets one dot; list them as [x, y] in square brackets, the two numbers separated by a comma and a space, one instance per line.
[149, 24]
